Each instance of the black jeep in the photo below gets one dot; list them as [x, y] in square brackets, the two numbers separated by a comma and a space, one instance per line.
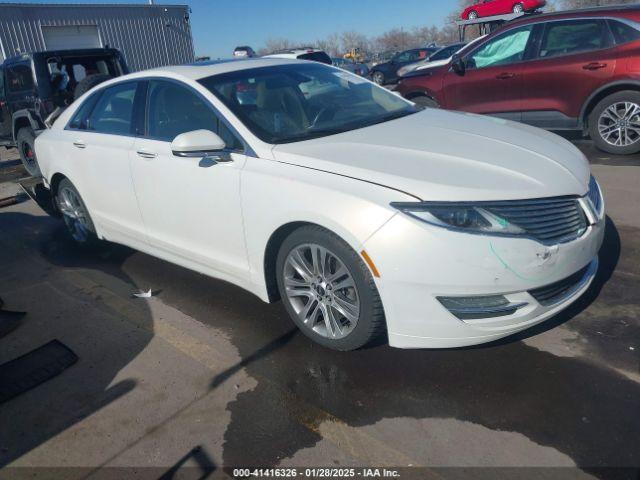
[36, 87]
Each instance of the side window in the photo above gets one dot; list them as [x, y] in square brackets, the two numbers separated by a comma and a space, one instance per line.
[623, 33]
[19, 78]
[79, 121]
[113, 112]
[502, 50]
[2, 95]
[573, 36]
[174, 109]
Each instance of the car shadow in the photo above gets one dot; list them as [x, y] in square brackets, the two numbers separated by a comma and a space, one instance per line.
[35, 255]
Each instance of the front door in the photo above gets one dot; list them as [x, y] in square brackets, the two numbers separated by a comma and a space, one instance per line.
[492, 81]
[575, 58]
[190, 206]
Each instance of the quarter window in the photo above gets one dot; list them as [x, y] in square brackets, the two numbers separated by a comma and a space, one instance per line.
[577, 36]
[19, 78]
[113, 112]
[173, 110]
[624, 33]
[503, 50]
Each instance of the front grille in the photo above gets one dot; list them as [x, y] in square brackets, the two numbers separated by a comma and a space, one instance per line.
[550, 294]
[549, 220]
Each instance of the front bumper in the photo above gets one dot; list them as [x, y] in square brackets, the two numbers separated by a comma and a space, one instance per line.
[420, 262]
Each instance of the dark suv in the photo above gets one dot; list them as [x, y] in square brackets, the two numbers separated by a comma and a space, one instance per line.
[36, 87]
[576, 70]
[387, 72]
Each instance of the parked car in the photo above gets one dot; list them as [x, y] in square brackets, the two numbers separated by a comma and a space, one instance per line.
[444, 54]
[244, 52]
[351, 66]
[489, 8]
[304, 53]
[384, 73]
[576, 70]
[36, 87]
[364, 213]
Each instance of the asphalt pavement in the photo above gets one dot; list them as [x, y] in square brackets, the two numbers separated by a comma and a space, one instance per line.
[205, 375]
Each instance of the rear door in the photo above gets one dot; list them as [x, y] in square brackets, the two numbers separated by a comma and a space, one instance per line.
[573, 59]
[98, 142]
[5, 115]
[492, 82]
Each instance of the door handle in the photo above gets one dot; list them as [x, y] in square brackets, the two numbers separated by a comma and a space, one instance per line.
[505, 76]
[594, 66]
[146, 154]
[79, 144]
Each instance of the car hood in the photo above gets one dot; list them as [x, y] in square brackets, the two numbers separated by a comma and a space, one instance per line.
[439, 155]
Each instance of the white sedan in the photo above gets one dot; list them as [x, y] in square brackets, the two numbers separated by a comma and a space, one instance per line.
[364, 213]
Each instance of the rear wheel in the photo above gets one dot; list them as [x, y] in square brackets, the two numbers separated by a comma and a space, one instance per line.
[614, 123]
[25, 141]
[378, 77]
[328, 291]
[75, 215]
[424, 101]
[473, 15]
[518, 8]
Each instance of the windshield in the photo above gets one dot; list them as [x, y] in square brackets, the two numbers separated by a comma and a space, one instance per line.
[288, 103]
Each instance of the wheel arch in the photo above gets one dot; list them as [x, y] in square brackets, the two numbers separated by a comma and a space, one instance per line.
[602, 93]
[421, 93]
[275, 241]
[22, 119]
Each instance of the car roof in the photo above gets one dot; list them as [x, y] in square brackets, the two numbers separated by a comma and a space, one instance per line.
[199, 70]
[613, 10]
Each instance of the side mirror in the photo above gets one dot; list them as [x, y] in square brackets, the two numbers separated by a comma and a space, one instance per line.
[458, 66]
[197, 143]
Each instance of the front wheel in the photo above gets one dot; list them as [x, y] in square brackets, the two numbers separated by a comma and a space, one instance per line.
[614, 123]
[378, 77]
[328, 291]
[25, 141]
[473, 15]
[75, 215]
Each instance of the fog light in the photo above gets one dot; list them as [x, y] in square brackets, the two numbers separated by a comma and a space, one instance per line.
[473, 308]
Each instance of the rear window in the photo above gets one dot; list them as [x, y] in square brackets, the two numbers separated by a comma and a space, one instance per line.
[624, 33]
[316, 57]
[19, 78]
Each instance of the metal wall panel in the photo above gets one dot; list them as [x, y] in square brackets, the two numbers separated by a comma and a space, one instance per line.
[149, 36]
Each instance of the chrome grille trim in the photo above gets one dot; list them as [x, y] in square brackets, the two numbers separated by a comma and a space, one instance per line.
[557, 220]
[594, 195]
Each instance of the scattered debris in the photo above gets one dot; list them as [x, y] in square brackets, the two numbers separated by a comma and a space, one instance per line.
[148, 294]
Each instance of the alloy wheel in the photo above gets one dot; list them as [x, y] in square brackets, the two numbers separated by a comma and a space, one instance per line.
[473, 16]
[74, 214]
[28, 153]
[322, 291]
[378, 78]
[518, 8]
[619, 124]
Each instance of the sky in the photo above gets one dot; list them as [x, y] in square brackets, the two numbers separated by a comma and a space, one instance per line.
[221, 25]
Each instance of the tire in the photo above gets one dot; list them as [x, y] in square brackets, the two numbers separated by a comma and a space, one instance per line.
[76, 215]
[315, 294]
[378, 77]
[472, 15]
[25, 141]
[87, 83]
[518, 8]
[425, 101]
[604, 117]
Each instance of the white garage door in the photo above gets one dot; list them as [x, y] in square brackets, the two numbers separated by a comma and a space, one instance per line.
[71, 36]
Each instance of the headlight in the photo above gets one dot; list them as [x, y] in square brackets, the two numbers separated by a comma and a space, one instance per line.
[465, 217]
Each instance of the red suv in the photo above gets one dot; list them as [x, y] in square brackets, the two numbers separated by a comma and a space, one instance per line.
[577, 70]
[489, 8]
